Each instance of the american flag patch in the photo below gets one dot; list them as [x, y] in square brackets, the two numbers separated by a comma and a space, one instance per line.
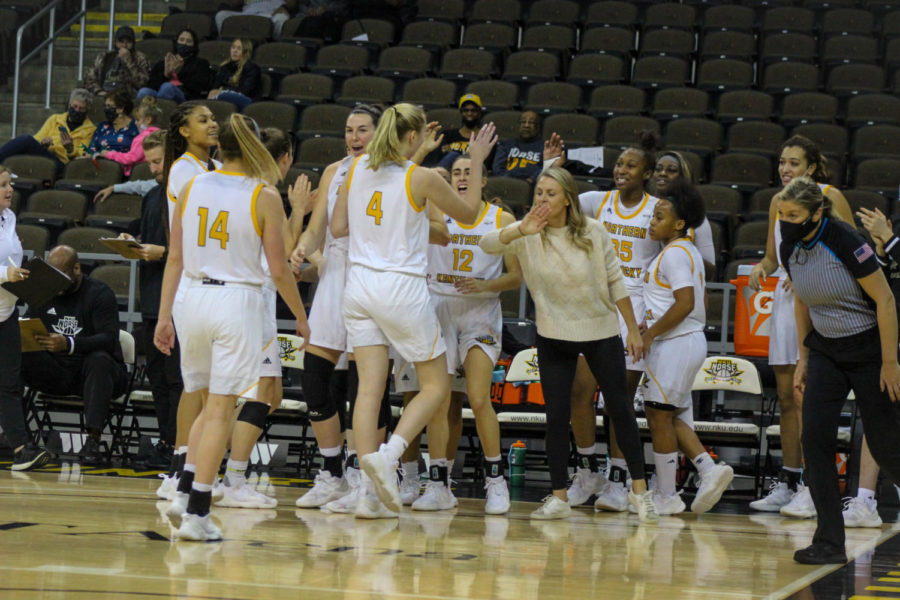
[863, 253]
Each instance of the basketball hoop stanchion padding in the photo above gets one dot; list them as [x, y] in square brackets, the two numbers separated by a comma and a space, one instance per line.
[752, 314]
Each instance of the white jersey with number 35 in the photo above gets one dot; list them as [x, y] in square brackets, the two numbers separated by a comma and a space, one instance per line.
[221, 237]
[629, 229]
[388, 232]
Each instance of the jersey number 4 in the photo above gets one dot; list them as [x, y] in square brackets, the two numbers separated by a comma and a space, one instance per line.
[374, 208]
[218, 230]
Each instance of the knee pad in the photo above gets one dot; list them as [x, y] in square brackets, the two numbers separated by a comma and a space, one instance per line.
[316, 378]
[338, 390]
[254, 413]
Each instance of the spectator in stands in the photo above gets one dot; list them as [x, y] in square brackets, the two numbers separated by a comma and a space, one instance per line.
[556, 245]
[12, 418]
[456, 142]
[239, 79]
[521, 158]
[82, 354]
[277, 10]
[147, 118]
[163, 371]
[62, 137]
[398, 12]
[123, 67]
[324, 18]
[181, 75]
[842, 303]
[119, 129]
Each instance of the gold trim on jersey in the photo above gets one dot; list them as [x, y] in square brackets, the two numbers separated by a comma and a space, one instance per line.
[253, 200]
[637, 211]
[434, 344]
[409, 194]
[349, 176]
[672, 244]
[487, 207]
[650, 373]
[185, 156]
[187, 192]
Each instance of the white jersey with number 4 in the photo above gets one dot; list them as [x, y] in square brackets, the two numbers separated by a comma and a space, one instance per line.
[462, 257]
[221, 237]
[679, 265]
[388, 232]
[629, 229]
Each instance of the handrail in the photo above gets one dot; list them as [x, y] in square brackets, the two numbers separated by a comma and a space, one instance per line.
[54, 33]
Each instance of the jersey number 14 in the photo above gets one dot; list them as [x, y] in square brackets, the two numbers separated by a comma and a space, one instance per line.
[218, 230]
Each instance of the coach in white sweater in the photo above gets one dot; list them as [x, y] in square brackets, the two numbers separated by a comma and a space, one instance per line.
[572, 271]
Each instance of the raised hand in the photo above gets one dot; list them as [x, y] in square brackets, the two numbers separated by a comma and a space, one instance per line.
[481, 143]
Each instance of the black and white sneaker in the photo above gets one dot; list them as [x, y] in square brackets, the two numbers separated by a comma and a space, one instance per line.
[30, 457]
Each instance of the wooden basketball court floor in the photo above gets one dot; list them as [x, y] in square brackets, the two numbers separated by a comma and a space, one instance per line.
[66, 534]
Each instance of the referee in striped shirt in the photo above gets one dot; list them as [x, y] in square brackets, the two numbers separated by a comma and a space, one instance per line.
[843, 304]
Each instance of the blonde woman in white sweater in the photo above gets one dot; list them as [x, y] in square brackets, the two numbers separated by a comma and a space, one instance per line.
[571, 269]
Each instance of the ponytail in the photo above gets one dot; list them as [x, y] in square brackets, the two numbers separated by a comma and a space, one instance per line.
[239, 140]
[395, 123]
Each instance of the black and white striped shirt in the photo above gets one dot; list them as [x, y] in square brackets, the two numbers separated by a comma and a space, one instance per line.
[824, 273]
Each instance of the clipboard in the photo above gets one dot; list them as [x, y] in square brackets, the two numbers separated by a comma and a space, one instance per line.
[122, 247]
[28, 328]
[43, 284]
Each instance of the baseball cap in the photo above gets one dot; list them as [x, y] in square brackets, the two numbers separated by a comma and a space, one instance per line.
[473, 98]
[125, 33]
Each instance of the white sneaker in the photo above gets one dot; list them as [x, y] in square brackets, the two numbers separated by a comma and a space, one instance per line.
[437, 496]
[860, 513]
[345, 504]
[668, 505]
[497, 496]
[370, 507]
[178, 505]
[198, 529]
[712, 486]
[244, 496]
[613, 497]
[409, 488]
[167, 487]
[801, 505]
[644, 505]
[779, 495]
[584, 485]
[326, 488]
[384, 475]
[552, 508]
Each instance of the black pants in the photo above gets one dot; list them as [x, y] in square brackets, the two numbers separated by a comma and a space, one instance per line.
[97, 378]
[164, 374]
[26, 144]
[12, 417]
[606, 359]
[837, 365]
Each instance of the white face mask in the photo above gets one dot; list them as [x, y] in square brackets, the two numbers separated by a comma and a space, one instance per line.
[143, 126]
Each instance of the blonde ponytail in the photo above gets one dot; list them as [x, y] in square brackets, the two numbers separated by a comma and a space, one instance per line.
[239, 140]
[395, 123]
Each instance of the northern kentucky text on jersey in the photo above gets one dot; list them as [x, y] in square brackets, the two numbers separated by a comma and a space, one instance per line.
[623, 230]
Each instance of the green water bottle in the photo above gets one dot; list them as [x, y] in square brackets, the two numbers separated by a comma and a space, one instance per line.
[517, 464]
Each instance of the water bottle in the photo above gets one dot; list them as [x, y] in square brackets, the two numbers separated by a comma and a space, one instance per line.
[517, 464]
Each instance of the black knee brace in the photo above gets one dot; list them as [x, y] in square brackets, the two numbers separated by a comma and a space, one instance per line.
[384, 411]
[254, 413]
[315, 379]
[338, 389]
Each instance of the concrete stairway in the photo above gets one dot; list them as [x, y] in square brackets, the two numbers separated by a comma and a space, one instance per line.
[32, 110]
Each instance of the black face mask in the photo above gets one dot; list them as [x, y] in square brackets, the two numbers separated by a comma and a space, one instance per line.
[76, 117]
[110, 113]
[184, 50]
[793, 233]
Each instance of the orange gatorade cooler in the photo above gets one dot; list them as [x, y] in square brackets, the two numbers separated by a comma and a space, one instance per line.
[751, 314]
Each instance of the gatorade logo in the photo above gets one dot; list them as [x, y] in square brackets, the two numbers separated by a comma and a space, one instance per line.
[759, 309]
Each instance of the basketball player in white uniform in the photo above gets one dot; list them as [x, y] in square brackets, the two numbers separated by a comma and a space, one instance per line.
[799, 156]
[386, 301]
[626, 213]
[219, 235]
[675, 317]
[465, 283]
[192, 135]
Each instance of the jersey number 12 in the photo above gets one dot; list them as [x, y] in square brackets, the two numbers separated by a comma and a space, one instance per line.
[218, 231]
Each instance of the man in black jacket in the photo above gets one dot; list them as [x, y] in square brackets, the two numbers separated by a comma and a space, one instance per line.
[164, 372]
[82, 355]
